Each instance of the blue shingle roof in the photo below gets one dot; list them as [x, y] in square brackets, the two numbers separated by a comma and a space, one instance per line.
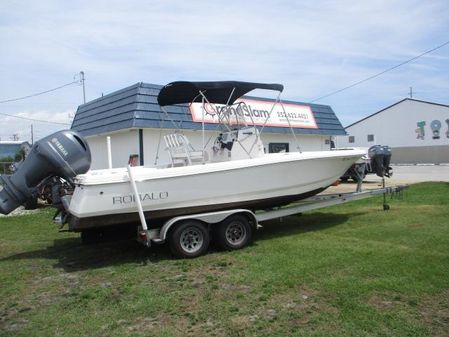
[136, 107]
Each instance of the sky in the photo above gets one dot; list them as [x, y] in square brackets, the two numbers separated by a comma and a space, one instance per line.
[312, 47]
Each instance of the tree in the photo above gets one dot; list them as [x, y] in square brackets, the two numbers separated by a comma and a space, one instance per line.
[20, 155]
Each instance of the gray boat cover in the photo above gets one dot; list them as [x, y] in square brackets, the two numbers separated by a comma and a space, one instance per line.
[218, 92]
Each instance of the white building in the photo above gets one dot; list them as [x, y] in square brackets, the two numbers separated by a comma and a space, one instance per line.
[135, 123]
[417, 131]
[9, 149]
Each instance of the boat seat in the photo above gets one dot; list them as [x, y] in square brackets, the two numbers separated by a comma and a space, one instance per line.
[181, 152]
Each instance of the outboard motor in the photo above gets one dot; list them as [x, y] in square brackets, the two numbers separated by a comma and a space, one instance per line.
[380, 157]
[64, 154]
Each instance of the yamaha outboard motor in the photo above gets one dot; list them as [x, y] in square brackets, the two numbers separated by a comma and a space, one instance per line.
[380, 157]
[64, 154]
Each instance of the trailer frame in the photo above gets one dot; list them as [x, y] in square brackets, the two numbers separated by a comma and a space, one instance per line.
[212, 220]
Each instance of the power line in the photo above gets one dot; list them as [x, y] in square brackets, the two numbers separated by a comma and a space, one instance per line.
[381, 73]
[33, 119]
[39, 93]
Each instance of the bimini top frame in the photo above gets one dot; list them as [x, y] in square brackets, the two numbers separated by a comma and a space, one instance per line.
[219, 92]
[215, 92]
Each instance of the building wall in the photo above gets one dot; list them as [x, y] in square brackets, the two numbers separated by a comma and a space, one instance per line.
[9, 149]
[305, 142]
[409, 129]
[419, 155]
[126, 143]
[123, 144]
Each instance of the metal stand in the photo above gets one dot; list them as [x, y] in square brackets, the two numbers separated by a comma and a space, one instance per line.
[385, 205]
[360, 173]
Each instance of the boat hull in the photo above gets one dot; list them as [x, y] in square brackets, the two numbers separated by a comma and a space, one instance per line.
[158, 217]
[259, 183]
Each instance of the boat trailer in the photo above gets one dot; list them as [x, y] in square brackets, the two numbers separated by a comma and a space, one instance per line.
[189, 235]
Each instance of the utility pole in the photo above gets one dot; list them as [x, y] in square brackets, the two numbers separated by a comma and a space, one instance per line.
[82, 80]
[32, 135]
[411, 92]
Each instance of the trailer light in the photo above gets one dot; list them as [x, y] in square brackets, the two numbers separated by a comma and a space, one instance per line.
[143, 235]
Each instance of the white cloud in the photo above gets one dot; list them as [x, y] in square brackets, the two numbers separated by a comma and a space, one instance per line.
[37, 120]
[313, 47]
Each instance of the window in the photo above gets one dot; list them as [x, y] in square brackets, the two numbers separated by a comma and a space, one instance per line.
[278, 147]
[371, 138]
[351, 139]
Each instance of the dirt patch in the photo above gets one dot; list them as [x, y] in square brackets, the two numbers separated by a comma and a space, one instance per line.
[434, 312]
[20, 211]
[180, 326]
[10, 316]
[61, 285]
[145, 325]
[415, 226]
[14, 326]
[70, 280]
[300, 307]
[382, 303]
[299, 322]
[239, 288]
[244, 321]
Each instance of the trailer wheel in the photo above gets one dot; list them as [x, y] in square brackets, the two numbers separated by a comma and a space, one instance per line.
[234, 232]
[189, 239]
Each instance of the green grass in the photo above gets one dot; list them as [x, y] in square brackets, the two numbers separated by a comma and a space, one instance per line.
[348, 270]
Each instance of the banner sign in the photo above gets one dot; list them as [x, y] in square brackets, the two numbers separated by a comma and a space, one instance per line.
[255, 112]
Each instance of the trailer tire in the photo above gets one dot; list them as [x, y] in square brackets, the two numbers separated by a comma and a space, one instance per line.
[189, 239]
[233, 233]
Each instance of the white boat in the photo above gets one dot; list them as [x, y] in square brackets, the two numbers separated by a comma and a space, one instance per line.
[213, 192]
[233, 173]
[106, 197]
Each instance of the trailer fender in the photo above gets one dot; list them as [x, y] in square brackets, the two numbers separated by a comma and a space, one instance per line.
[209, 218]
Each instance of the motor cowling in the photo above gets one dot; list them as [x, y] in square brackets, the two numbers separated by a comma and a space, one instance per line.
[380, 157]
[64, 154]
